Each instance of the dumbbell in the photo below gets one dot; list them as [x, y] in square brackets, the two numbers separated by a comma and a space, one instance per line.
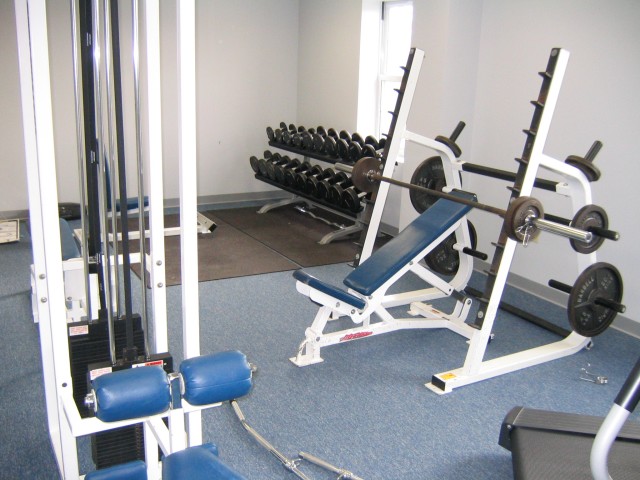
[289, 178]
[288, 133]
[351, 198]
[336, 190]
[254, 162]
[324, 185]
[300, 178]
[358, 148]
[281, 169]
[325, 141]
[312, 181]
[264, 164]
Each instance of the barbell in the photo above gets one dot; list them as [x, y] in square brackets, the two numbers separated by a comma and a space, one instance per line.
[524, 218]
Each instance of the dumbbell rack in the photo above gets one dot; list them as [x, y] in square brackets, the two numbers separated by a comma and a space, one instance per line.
[341, 230]
[368, 220]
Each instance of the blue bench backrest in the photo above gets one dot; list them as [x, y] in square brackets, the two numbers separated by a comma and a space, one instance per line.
[391, 257]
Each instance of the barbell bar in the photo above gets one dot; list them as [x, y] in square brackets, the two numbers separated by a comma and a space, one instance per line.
[525, 215]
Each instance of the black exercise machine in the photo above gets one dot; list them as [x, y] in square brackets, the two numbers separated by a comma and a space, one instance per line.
[554, 445]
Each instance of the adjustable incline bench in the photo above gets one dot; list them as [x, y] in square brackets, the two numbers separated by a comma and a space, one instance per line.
[369, 282]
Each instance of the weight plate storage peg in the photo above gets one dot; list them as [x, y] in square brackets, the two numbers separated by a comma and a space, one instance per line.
[594, 299]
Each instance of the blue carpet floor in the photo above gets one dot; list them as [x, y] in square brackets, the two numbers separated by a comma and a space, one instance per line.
[365, 408]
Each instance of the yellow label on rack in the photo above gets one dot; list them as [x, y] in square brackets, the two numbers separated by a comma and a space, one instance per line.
[447, 376]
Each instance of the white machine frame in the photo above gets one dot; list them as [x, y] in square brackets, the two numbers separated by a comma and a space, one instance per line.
[475, 368]
[64, 421]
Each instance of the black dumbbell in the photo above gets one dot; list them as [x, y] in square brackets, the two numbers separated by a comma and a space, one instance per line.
[254, 161]
[290, 173]
[336, 190]
[312, 181]
[351, 199]
[300, 178]
[324, 185]
[281, 168]
[268, 159]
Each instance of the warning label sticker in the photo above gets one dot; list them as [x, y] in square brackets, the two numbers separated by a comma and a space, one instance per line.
[78, 330]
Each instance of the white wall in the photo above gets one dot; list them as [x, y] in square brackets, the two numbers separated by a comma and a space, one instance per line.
[247, 63]
[13, 194]
[328, 61]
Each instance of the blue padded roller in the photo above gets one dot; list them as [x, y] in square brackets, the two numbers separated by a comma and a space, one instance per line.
[68, 242]
[324, 287]
[197, 463]
[419, 234]
[216, 377]
[131, 393]
[136, 470]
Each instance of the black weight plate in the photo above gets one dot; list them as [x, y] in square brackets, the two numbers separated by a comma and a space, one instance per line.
[321, 130]
[519, 211]
[429, 174]
[585, 166]
[589, 216]
[332, 132]
[600, 280]
[271, 135]
[444, 259]
[297, 140]
[286, 137]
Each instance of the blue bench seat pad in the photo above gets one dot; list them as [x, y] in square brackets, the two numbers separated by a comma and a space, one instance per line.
[419, 234]
[331, 290]
[197, 463]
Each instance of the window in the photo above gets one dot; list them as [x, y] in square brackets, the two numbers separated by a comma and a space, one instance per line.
[395, 43]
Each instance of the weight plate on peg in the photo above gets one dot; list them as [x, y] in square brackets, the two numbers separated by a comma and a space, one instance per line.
[444, 259]
[599, 281]
[429, 174]
[517, 220]
[589, 216]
